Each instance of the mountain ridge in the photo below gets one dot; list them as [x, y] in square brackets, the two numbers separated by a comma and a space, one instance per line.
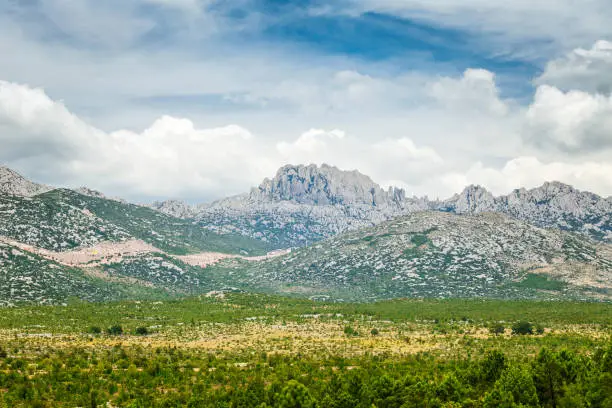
[329, 200]
[14, 183]
[306, 203]
[438, 254]
[359, 242]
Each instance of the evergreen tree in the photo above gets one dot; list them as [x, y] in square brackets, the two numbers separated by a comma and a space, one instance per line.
[295, 395]
[515, 386]
[547, 378]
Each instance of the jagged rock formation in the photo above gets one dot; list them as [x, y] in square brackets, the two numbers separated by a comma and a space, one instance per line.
[326, 185]
[13, 183]
[175, 208]
[303, 204]
[553, 205]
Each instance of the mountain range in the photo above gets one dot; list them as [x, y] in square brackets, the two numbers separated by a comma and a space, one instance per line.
[313, 231]
[303, 204]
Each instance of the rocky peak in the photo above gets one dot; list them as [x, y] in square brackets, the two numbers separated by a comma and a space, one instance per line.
[324, 185]
[14, 183]
[174, 208]
[89, 192]
[473, 199]
[86, 191]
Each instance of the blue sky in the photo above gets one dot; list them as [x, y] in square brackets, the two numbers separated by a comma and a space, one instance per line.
[465, 91]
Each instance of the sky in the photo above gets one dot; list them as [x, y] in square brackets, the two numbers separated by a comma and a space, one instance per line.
[201, 99]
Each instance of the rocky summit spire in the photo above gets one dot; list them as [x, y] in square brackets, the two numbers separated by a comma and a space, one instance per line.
[324, 185]
[473, 199]
[13, 183]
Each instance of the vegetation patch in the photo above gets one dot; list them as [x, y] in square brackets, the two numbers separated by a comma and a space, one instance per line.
[541, 282]
[239, 350]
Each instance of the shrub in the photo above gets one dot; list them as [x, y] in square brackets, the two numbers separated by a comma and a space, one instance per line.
[539, 329]
[95, 330]
[115, 330]
[522, 327]
[3, 353]
[493, 365]
[141, 331]
[374, 332]
[497, 328]
[349, 331]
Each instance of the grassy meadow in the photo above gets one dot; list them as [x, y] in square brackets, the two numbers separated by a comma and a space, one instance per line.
[239, 350]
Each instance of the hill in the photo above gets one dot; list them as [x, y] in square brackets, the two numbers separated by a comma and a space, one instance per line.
[436, 254]
[358, 242]
[63, 219]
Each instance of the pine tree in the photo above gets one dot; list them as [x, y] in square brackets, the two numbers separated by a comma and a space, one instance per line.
[295, 395]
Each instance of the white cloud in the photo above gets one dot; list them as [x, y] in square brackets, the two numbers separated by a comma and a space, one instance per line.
[529, 172]
[475, 90]
[173, 157]
[185, 5]
[109, 23]
[170, 158]
[588, 70]
[310, 142]
[405, 149]
[574, 121]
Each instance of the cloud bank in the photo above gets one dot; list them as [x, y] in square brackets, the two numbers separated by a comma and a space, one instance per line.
[175, 158]
[199, 99]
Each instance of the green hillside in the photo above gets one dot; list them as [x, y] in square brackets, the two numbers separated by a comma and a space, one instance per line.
[438, 255]
[61, 219]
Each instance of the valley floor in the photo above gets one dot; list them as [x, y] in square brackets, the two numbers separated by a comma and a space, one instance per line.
[258, 351]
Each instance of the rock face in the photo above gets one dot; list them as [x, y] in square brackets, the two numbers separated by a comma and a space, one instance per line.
[326, 185]
[175, 208]
[553, 205]
[12, 183]
[302, 204]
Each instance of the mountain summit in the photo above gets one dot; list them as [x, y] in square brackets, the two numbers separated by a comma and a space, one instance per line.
[552, 205]
[302, 204]
[15, 184]
[305, 203]
[326, 185]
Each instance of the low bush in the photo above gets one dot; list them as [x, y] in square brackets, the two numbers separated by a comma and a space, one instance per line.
[141, 331]
[115, 330]
[522, 327]
[349, 331]
[497, 328]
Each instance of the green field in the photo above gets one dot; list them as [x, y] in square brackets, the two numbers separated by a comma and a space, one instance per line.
[240, 350]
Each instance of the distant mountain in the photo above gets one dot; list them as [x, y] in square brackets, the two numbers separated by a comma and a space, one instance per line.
[13, 183]
[56, 244]
[303, 204]
[175, 208]
[39, 226]
[436, 254]
[553, 205]
[61, 220]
